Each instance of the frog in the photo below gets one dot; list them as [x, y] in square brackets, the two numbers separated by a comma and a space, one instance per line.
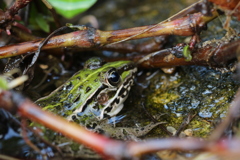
[91, 97]
[98, 90]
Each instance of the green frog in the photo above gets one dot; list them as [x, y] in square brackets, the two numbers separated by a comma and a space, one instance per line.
[98, 90]
[92, 96]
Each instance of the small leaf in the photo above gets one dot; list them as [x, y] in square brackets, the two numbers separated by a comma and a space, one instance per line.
[187, 53]
[70, 8]
[42, 23]
[3, 5]
[3, 83]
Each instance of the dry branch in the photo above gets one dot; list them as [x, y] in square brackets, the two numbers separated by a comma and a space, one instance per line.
[93, 38]
[15, 102]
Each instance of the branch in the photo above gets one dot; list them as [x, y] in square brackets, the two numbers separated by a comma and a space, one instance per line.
[109, 148]
[9, 16]
[93, 38]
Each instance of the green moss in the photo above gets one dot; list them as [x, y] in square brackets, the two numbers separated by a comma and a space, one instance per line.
[165, 98]
[197, 90]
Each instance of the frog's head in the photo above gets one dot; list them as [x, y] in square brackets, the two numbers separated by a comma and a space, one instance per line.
[106, 87]
[99, 89]
[117, 79]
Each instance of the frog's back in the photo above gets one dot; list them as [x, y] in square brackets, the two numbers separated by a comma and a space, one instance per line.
[73, 91]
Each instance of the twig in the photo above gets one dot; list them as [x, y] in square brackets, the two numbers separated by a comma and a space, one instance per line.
[9, 16]
[93, 38]
[210, 55]
[232, 115]
[13, 101]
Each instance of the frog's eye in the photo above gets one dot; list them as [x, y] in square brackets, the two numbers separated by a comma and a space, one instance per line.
[113, 78]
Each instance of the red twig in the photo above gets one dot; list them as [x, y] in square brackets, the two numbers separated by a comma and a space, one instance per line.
[215, 55]
[92, 38]
[232, 7]
[9, 16]
[108, 147]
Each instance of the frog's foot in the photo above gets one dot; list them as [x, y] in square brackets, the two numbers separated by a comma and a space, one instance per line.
[140, 131]
[127, 133]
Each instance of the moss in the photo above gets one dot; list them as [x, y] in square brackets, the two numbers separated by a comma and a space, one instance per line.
[165, 98]
[197, 90]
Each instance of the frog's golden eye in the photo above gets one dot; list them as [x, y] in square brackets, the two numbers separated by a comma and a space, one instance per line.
[113, 77]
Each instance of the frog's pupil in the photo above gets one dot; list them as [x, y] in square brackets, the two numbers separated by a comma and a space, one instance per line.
[113, 78]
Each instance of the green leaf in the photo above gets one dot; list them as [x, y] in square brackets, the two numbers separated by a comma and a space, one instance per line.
[42, 23]
[3, 5]
[70, 8]
[3, 83]
[38, 20]
[187, 53]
